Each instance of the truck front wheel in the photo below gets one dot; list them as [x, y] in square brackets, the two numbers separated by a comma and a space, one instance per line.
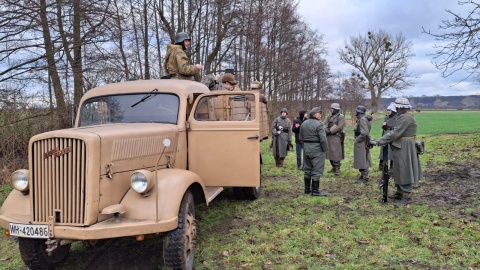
[35, 256]
[179, 244]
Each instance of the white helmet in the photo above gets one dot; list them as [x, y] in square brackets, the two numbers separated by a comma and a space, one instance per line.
[392, 107]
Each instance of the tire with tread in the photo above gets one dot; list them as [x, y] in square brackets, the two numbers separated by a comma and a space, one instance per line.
[179, 244]
[35, 256]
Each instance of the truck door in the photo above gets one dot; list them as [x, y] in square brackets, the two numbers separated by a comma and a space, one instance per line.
[224, 138]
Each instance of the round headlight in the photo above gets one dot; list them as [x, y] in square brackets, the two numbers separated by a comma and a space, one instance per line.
[19, 180]
[141, 181]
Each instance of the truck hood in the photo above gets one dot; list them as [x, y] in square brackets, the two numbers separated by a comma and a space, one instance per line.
[122, 147]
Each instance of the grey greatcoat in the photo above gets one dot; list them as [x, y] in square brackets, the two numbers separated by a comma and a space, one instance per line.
[312, 134]
[361, 154]
[335, 123]
[390, 120]
[281, 135]
[406, 164]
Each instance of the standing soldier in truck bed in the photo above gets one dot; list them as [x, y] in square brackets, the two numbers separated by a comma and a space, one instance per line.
[177, 63]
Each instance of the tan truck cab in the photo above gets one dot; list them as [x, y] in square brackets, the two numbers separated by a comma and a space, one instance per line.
[140, 156]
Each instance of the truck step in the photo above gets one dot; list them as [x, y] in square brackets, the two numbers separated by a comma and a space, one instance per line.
[212, 192]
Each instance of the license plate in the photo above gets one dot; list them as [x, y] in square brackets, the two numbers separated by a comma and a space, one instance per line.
[29, 230]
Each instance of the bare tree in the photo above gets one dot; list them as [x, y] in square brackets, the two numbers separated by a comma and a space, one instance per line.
[353, 94]
[380, 60]
[458, 40]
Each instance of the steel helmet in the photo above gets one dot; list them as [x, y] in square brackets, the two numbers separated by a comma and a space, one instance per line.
[180, 37]
[361, 109]
[284, 110]
[335, 106]
[402, 103]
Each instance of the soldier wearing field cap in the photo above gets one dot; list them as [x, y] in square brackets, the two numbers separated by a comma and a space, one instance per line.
[281, 137]
[407, 170]
[335, 123]
[177, 62]
[256, 85]
[315, 146]
[229, 82]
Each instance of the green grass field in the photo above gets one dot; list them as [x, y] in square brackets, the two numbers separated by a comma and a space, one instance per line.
[438, 122]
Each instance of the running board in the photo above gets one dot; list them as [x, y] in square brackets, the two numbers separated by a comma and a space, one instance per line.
[212, 192]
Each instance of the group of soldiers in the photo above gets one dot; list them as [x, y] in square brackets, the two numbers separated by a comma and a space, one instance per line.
[320, 141]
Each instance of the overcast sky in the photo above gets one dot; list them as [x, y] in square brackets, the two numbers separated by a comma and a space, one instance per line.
[337, 20]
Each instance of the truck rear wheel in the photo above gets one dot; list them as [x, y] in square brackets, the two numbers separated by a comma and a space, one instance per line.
[35, 256]
[179, 244]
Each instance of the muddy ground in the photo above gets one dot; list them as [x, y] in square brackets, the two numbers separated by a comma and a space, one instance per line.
[455, 192]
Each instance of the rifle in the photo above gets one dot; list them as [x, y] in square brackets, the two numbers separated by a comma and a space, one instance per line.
[383, 183]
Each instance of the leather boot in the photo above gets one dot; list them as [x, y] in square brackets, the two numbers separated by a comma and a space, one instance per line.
[362, 178]
[336, 171]
[406, 198]
[398, 195]
[307, 186]
[280, 161]
[277, 161]
[315, 191]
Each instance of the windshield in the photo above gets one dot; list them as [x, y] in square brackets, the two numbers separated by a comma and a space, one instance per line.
[130, 108]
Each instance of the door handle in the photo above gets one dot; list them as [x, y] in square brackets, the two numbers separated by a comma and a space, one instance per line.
[253, 137]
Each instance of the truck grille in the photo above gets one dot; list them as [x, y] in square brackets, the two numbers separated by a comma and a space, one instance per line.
[58, 180]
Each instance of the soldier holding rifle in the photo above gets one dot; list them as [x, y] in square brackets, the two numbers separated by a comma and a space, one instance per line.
[406, 164]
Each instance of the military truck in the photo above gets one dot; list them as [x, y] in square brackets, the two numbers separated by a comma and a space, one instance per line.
[139, 158]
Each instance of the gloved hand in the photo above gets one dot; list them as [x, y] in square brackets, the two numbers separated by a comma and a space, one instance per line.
[327, 131]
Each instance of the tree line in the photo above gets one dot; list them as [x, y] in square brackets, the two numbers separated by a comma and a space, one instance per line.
[61, 49]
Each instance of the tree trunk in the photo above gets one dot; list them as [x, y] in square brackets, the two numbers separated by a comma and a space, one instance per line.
[61, 108]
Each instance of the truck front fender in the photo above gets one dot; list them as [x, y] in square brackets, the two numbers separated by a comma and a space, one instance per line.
[165, 197]
[16, 208]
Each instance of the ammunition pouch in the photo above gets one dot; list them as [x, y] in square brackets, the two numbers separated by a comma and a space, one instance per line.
[420, 146]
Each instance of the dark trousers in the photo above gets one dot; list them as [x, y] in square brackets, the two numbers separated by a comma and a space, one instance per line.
[298, 149]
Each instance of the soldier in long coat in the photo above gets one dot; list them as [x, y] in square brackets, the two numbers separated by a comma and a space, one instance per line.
[315, 146]
[177, 63]
[406, 165]
[334, 130]
[387, 125]
[361, 151]
[281, 136]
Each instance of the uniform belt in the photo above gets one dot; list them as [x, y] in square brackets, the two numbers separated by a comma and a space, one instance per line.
[311, 141]
[407, 137]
